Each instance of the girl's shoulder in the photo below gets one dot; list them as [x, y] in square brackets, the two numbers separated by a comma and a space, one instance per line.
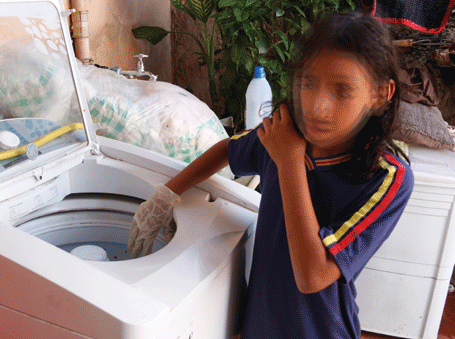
[398, 168]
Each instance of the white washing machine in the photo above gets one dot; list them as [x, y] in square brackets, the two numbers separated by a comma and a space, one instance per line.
[403, 288]
[62, 187]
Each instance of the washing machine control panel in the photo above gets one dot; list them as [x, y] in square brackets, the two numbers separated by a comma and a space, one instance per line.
[21, 205]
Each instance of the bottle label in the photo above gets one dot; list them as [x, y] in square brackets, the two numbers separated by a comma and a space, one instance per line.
[265, 110]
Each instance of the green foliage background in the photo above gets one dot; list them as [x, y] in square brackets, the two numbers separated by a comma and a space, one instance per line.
[253, 32]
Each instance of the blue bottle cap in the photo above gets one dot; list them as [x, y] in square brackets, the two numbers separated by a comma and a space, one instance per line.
[259, 72]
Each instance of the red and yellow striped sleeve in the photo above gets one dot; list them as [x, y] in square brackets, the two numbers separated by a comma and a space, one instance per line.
[359, 237]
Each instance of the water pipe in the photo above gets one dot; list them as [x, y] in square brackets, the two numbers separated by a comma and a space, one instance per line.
[80, 32]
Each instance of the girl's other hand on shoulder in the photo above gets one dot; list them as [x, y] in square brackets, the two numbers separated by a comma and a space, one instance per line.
[280, 138]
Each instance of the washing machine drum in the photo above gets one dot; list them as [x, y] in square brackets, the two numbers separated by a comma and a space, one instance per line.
[90, 226]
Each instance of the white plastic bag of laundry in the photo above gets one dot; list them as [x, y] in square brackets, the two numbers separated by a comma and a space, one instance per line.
[155, 115]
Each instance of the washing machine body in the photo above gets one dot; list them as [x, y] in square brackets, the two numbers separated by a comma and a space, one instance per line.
[403, 288]
[63, 186]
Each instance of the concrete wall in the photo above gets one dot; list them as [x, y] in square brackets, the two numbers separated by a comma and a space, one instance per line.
[112, 43]
[173, 59]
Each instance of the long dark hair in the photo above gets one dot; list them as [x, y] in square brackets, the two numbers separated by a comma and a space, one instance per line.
[370, 42]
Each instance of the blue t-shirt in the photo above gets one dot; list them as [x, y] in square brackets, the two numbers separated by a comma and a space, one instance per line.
[355, 219]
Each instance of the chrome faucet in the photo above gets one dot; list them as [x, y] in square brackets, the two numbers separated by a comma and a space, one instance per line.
[140, 64]
[139, 72]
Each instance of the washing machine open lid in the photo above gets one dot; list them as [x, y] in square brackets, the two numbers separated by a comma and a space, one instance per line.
[42, 101]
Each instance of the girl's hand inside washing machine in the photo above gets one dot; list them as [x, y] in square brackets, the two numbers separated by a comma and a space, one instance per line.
[151, 215]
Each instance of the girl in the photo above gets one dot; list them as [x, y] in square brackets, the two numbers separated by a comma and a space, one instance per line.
[333, 187]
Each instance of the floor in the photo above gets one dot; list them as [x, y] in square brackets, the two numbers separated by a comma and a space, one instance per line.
[446, 330]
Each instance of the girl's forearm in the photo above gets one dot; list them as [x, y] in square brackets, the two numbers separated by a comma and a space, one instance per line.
[314, 269]
[210, 162]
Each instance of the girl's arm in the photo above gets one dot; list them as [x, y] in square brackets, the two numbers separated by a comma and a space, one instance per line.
[210, 162]
[314, 268]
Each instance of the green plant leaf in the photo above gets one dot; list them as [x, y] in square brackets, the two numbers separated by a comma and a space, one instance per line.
[285, 79]
[245, 15]
[304, 24]
[235, 53]
[276, 9]
[280, 53]
[298, 25]
[227, 3]
[202, 9]
[221, 15]
[249, 64]
[299, 10]
[177, 4]
[272, 65]
[284, 39]
[262, 60]
[262, 43]
[153, 34]
[259, 13]
[238, 14]
[279, 12]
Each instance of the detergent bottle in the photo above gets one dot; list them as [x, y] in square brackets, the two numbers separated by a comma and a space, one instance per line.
[258, 99]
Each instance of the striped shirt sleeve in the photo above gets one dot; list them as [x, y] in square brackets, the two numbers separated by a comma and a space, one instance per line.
[353, 242]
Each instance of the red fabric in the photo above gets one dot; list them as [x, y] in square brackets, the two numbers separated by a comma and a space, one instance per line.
[413, 13]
